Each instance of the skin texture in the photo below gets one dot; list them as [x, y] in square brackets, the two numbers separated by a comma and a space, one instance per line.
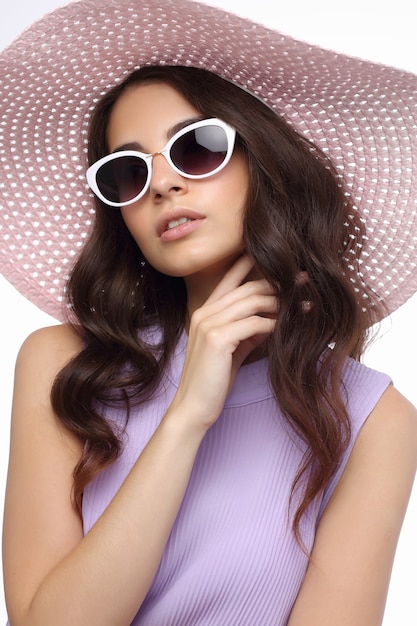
[50, 568]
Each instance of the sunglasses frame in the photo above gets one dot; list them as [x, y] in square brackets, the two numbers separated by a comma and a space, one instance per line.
[148, 158]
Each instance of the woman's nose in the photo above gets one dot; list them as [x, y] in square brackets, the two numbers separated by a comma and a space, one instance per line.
[165, 180]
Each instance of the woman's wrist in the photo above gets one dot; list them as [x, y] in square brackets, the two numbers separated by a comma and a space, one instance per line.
[185, 423]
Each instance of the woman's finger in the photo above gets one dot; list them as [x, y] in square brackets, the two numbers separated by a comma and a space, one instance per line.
[233, 278]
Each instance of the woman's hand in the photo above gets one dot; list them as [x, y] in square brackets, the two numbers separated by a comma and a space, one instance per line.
[235, 319]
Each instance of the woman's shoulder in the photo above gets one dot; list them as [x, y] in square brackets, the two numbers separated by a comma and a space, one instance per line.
[361, 388]
[397, 416]
[42, 355]
[49, 348]
[60, 336]
[389, 434]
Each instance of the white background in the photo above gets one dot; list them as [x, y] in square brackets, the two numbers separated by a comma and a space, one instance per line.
[384, 32]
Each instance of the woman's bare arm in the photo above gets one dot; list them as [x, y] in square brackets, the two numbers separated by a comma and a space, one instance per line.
[347, 580]
[52, 573]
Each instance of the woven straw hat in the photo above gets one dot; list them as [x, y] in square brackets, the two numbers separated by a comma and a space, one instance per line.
[364, 115]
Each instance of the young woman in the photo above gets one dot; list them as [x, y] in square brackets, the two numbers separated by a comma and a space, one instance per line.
[201, 445]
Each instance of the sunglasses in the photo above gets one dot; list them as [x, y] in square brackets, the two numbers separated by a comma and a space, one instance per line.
[197, 151]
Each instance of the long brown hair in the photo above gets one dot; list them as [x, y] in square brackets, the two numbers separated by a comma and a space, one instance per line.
[298, 218]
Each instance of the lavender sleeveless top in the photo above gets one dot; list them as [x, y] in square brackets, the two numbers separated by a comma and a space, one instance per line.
[231, 558]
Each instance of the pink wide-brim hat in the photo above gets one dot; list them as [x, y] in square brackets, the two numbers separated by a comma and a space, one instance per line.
[364, 115]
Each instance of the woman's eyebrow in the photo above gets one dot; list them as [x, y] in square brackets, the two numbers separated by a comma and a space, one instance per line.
[177, 127]
[134, 145]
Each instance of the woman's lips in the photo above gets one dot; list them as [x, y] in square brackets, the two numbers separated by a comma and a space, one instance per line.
[180, 228]
[178, 219]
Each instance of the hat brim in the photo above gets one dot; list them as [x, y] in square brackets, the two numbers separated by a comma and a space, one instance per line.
[364, 115]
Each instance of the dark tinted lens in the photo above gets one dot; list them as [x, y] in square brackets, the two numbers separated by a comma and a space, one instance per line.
[122, 179]
[200, 151]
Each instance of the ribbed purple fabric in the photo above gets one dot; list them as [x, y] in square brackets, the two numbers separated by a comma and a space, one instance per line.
[231, 559]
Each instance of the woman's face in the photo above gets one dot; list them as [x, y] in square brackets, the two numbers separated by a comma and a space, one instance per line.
[205, 247]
